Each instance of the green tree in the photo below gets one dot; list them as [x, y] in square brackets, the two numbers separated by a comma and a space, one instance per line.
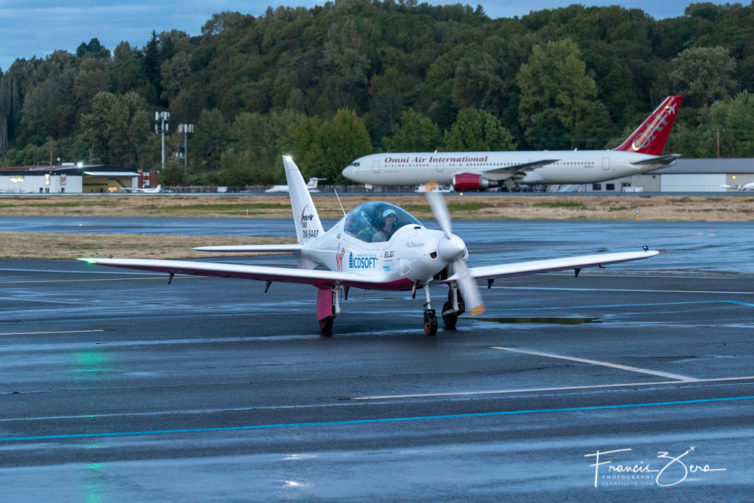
[477, 130]
[559, 106]
[117, 128]
[703, 75]
[414, 133]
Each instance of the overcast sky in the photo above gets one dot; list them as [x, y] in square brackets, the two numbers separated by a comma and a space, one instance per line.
[37, 27]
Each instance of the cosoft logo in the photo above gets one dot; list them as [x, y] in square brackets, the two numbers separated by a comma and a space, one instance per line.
[361, 261]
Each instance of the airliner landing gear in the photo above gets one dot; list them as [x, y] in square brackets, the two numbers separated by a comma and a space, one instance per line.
[430, 320]
[453, 308]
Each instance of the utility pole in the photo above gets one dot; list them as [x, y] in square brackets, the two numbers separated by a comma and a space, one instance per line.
[186, 129]
[161, 127]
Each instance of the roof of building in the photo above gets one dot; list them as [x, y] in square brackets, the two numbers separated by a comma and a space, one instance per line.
[708, 166]
[88, 170]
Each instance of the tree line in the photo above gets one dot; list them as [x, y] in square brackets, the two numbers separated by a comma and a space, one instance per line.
[334, 82]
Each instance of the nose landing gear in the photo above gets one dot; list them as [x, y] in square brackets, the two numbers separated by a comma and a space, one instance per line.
[453, 308]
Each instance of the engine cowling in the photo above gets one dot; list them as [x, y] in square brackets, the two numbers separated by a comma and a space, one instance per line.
[464, 182]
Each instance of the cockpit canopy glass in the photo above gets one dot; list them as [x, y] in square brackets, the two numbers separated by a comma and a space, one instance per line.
[377, 221]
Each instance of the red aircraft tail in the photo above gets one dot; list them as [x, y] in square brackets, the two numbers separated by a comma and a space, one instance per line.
[650, 137]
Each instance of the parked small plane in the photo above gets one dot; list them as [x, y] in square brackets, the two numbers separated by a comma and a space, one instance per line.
[376, 246]
[642, 151]
[145, 190]
[311, 185]
[741, 188]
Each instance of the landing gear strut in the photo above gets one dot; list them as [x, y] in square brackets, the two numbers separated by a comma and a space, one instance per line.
[453, 308]
[430, 320]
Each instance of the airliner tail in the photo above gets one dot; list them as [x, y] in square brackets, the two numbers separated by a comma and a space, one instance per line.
[651, 136]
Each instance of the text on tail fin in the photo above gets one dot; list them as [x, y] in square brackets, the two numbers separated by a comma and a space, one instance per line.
[650, 137]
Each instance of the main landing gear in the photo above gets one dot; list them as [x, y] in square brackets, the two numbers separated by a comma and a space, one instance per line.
[451, 310]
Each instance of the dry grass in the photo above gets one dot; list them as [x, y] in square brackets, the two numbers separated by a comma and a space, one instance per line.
[707, 208]
[70, 246]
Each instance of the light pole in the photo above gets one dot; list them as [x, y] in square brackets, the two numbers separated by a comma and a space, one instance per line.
[161, 127]
[186, 129]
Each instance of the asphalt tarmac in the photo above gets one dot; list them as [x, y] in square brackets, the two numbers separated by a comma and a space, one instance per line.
[634, 382]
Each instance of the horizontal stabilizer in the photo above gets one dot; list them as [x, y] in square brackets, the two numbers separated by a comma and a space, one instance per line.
[273, 248]
[663, 160]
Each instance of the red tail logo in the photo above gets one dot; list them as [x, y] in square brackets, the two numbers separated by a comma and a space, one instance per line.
[650, 137]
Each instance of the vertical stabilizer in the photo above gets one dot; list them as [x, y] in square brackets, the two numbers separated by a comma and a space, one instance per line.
[650, 137]
[308, 226]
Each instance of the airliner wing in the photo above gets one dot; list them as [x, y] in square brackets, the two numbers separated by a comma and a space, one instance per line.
[277, 248]
[557, 264]
[509, 171]
[314, 277]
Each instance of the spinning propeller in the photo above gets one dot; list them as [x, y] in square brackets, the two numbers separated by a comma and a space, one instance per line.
[452, 250]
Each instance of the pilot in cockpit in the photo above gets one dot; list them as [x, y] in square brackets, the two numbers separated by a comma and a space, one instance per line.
[388, 226]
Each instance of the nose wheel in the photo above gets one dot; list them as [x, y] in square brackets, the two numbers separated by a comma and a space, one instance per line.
[430, 322]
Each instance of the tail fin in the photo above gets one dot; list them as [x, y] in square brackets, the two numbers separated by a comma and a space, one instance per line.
[650, 137]
[308, 226]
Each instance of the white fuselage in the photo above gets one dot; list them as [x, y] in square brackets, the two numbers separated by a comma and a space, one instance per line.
[399, 262]
[572, 166]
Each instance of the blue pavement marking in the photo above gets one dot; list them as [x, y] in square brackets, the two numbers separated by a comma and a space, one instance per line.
[374, 420]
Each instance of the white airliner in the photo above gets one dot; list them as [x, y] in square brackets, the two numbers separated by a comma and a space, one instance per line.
[145, 190]
[642, 151]
[311, 185]
[376, 246]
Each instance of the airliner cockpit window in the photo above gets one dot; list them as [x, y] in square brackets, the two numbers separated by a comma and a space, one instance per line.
[377, 221]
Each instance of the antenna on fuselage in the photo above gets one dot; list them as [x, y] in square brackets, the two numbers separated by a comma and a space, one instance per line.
[341, 204]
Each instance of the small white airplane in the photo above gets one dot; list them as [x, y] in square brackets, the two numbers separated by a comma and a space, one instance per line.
[376, 246]
[741, 188]
[642, 151]
[425, 187]
[311, 185]
[145, 190]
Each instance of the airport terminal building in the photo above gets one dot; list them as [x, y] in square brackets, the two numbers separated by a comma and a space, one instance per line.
[70, 179]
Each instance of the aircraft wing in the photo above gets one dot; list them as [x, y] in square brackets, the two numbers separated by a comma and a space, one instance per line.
[316, 277]
[516, 169]
[557, 264]
[276, 248]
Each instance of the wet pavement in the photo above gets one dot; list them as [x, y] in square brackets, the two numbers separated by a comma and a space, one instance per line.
[115, 386]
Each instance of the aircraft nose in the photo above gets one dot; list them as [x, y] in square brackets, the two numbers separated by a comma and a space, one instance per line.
[451, 248]
[349, 171]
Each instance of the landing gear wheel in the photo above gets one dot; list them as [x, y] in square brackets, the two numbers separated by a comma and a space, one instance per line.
[430, 322]
[449, 316]
[325, 325]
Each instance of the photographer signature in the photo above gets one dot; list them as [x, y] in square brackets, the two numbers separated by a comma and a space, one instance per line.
[664, 473]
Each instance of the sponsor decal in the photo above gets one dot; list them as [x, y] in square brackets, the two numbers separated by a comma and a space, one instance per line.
[305, 219]
[413, 244]
[339, 257]
[361, 261]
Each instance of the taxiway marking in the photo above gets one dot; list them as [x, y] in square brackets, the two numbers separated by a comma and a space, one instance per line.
[377, 420]
[54, 332]
[657, 373]
[548, 389]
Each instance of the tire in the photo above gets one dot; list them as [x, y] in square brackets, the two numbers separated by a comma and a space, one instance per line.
[430, 322]
[325, 325]
[449, 316]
